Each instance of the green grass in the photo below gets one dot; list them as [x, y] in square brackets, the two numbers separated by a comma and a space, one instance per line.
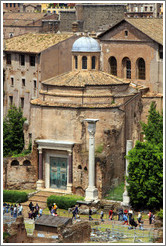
[116, 193]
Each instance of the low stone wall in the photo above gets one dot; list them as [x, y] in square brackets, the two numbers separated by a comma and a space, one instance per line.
[21, 172]
[77, 233]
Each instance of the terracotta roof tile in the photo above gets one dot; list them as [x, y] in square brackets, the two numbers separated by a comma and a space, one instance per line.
[83, 78]
[152, 27]
[34, 42]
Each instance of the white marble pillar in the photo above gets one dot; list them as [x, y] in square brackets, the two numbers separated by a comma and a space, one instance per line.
[40, 182]
[126, 198]
[91, 192]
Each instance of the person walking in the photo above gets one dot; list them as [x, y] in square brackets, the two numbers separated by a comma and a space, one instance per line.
[90, 214]
[20, 208]
[125, 219]
[15, 211]
[111, 214]
[101, 216]
[150, 215]
[40, 212]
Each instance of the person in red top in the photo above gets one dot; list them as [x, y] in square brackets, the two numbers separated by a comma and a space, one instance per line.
[111, 214]
[150, 217]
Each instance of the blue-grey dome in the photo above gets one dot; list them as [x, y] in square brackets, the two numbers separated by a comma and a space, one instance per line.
[86, 44]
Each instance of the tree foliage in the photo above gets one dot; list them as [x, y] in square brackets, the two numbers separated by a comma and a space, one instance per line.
[145, 169]
[13, 136]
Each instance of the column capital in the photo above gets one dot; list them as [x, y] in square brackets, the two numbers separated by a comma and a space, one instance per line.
[69, 151]
[91, 126]
[40, 150]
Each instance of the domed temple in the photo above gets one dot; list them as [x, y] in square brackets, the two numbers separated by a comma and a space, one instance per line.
[60, 131]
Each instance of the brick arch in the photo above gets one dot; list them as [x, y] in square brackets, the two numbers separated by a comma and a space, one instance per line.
[140, 68]
[14, 163]
[112, 64]
[26, 163]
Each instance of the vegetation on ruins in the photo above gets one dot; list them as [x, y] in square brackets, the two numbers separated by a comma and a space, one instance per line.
[14, 196]
[13, 136]
[145, 169]
[64, 202]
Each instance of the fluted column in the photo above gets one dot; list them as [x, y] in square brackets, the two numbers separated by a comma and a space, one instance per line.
[91, 191]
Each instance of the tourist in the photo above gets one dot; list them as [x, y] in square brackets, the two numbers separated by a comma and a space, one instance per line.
[31, 206]
[15, 211]
[90, 214]
[74, 214]
[7, 208]
[120, 214]
[4, 208]
[11, 209]
[125, 219]
[76, 211]
[20, 208]
[55, 207]
[132, 223]
[40, 212]
[153, 218]
[37, 209]
[111, 214]
[150, 215]
[130, 214]
[139, 218]
[50, 208]
[101, 216]
[30, 214]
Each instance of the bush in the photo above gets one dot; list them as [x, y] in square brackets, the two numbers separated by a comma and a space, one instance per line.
[160, 214]
[14, 196]
[63, 202]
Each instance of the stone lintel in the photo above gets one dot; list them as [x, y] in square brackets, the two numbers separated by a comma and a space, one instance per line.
[53, 144]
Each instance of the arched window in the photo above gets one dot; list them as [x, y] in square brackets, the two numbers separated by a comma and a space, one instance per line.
[84, 62]
[26, 163]
[14, 163]
[113, 65]
[76, 62]
[93, 62]
[141, 68]
[126, 63]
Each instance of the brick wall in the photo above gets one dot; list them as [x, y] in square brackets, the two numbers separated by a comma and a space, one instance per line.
[66, 20]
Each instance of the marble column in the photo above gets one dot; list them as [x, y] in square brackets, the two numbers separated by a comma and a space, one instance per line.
[91, 191]
[126, 198]
[40, 182]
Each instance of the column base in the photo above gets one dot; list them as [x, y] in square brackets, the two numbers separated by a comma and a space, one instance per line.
[126, 199]
[69, 188]
[91, 194]
[40, 184]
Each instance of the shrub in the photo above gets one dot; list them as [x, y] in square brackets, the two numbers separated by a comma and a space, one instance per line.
[14, 196]
[64, 202]
[160, 214]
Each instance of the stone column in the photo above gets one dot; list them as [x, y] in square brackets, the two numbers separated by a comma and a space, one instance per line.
[70, 172]
[126, 198]
[91, 191]
[40, 182]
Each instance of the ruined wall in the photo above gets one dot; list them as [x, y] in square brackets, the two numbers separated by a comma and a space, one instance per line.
[94, 16]
[21, 172]
[66, 20]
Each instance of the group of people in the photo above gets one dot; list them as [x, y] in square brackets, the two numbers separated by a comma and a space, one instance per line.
[15, 210]
[53, 209]
[34, 211]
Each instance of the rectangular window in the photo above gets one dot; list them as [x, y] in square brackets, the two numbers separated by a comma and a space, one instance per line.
[11, 100]
[8, 59]
[10, 5]
[151, 8]
[18, 4]
[146, 8]
[23, 82]
[32, 61]
[22, 60]
[22, 102]
[12, 81]
[35, 84]
[14, 5]
[160, 51]
[6, 5]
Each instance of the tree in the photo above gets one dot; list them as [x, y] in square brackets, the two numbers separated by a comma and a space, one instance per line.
[145, 169]
[13, 136]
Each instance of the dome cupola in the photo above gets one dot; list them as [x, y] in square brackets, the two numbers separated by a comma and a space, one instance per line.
[86, 44]
[86, 54]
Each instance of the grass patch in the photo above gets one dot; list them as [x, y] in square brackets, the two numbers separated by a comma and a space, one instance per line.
[116, 193]
[99, 148]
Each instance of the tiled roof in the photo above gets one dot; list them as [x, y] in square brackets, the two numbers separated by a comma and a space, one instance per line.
[23, 16]
[34, 43]
[152, 27]
[40, 102]
[83, 78]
